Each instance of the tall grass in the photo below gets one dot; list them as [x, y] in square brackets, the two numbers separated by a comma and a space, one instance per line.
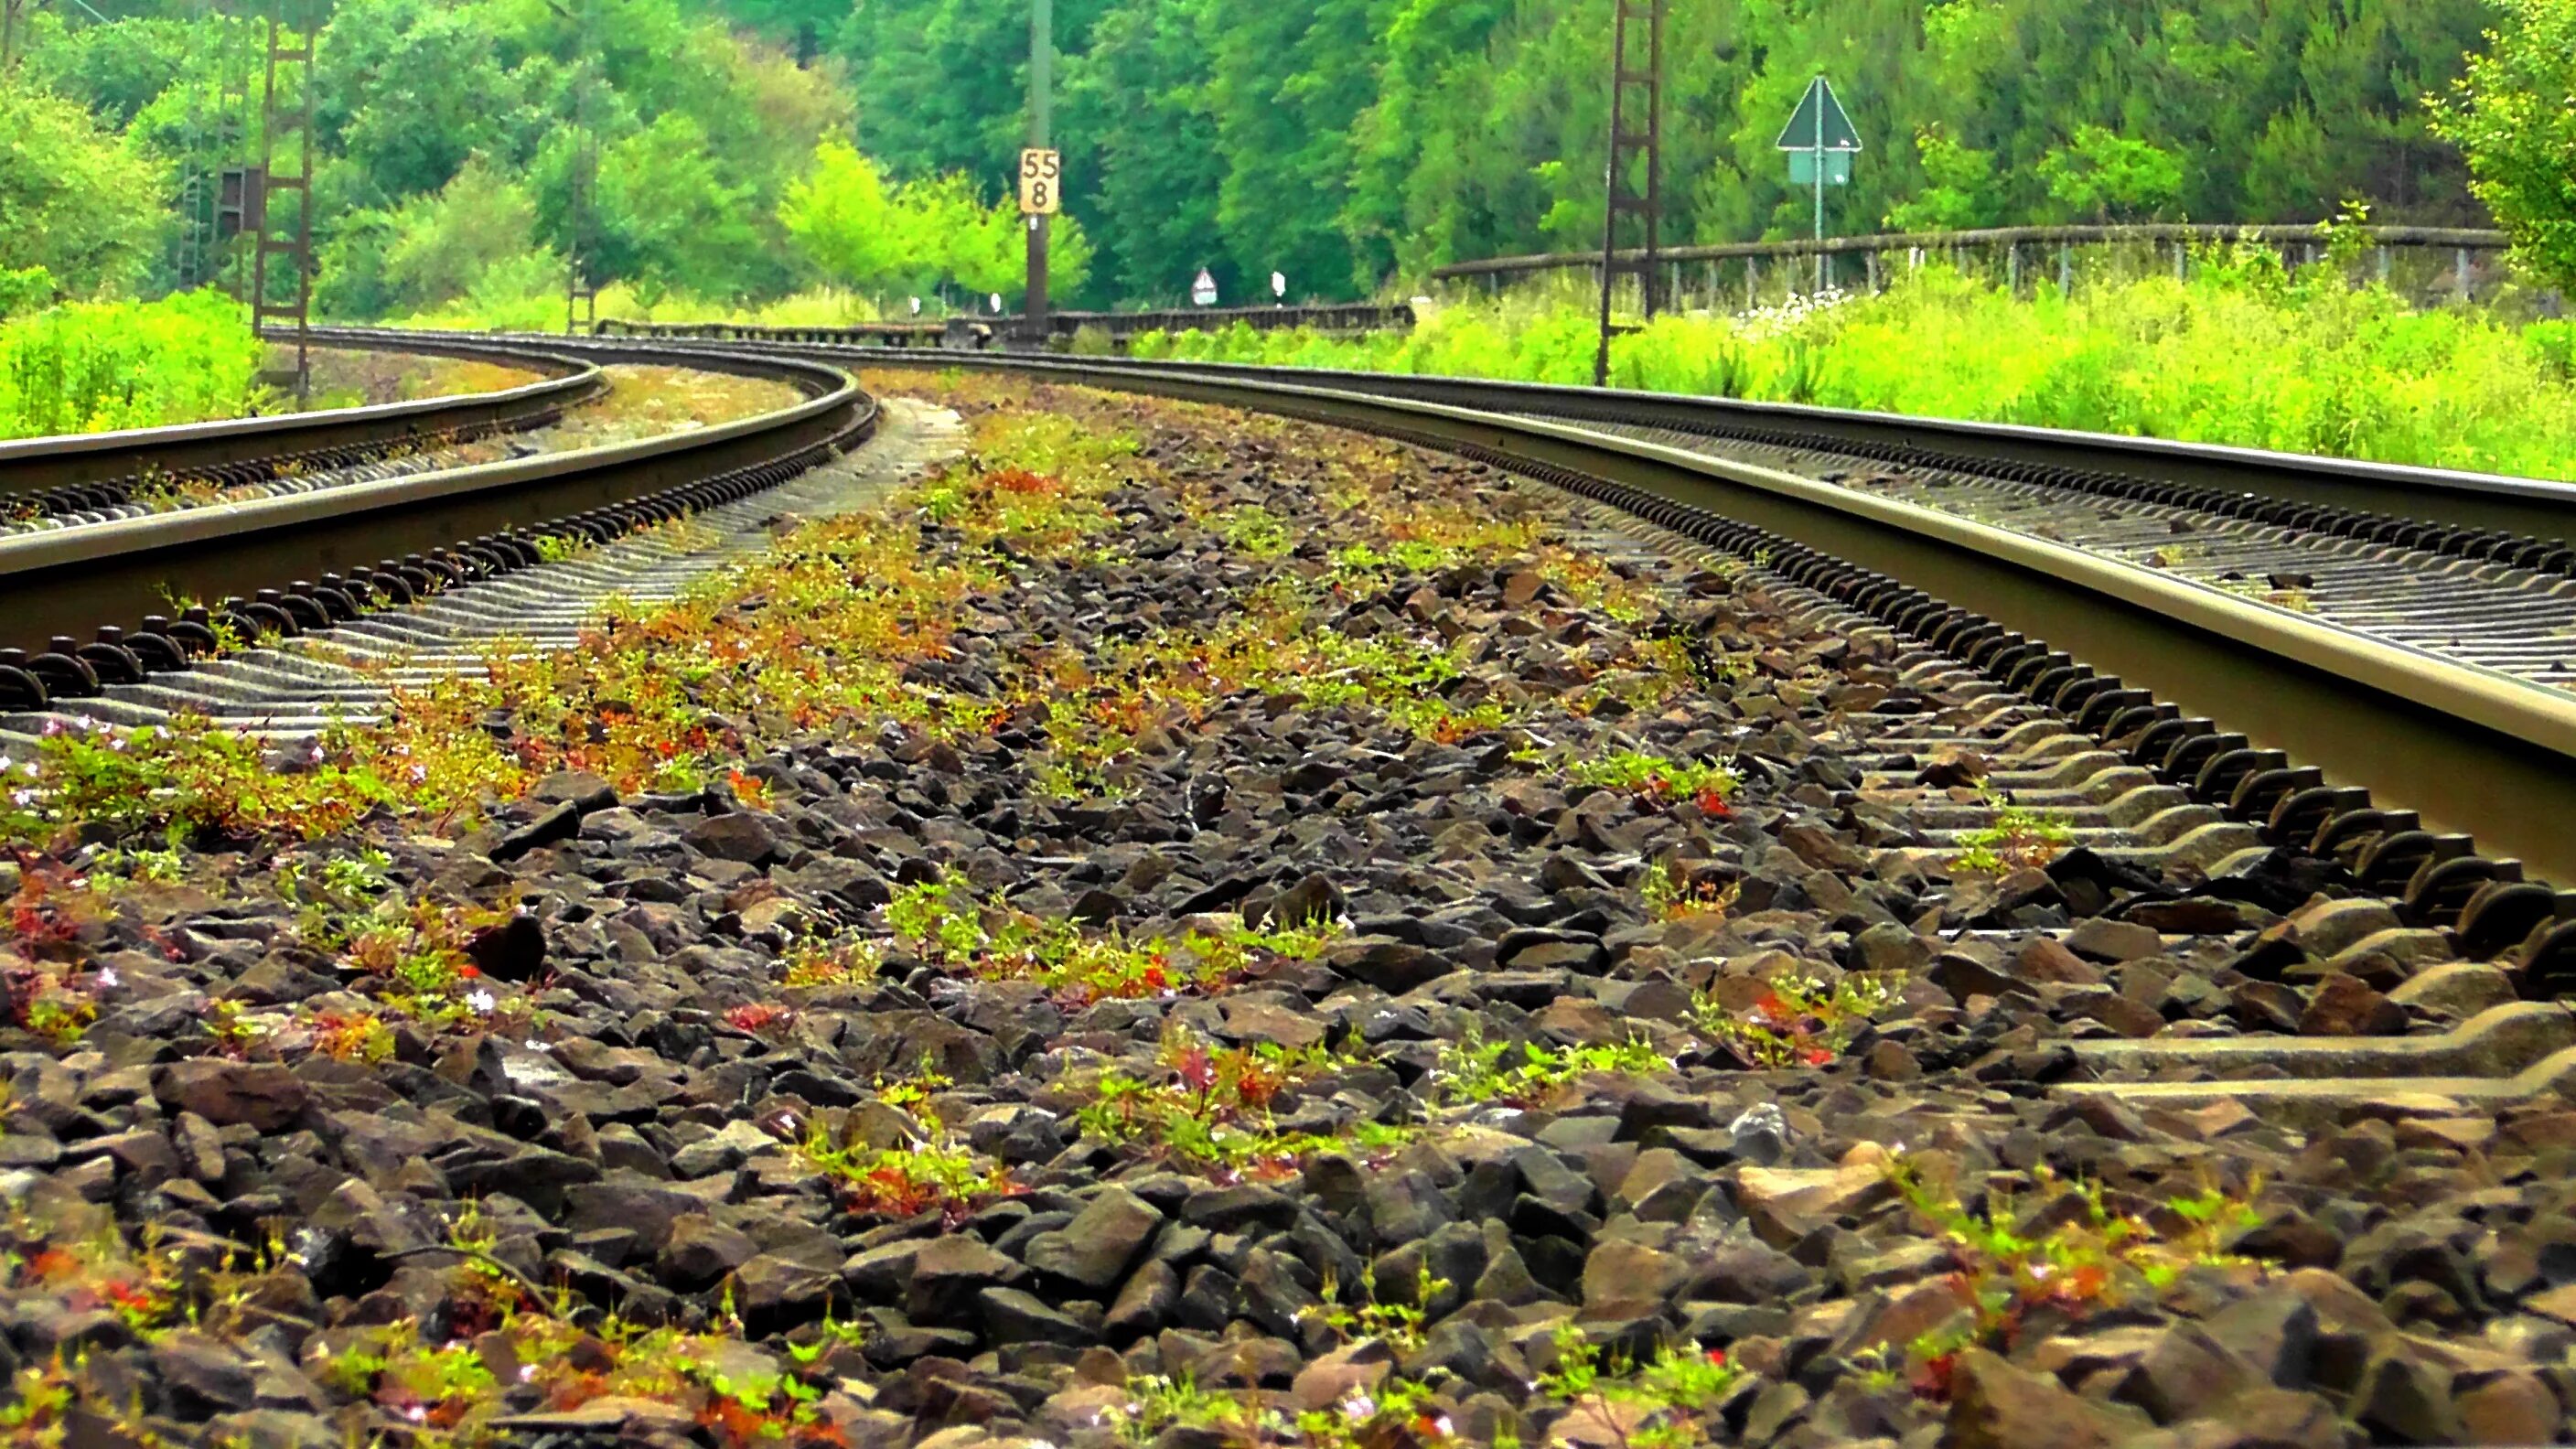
[2241, 353]
[92, 366]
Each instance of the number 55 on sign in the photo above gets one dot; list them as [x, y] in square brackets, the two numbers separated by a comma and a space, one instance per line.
[1039, 193]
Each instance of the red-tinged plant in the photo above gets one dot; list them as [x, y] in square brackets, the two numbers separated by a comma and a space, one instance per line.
[2082, 1262]
[1797, 1023]
[1023, 482]
[757, 1016]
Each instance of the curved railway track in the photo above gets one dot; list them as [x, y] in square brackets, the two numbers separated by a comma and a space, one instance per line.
[302, 560]
[2173, 725]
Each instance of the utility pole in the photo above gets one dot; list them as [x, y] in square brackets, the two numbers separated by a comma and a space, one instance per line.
[1041, 62]
[1821, 168]
[1646, 108]
[585, 171]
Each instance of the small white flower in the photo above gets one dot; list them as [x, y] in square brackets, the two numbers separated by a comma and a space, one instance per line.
[417, 1413]
[87, 724]
[107, 978]
[23, 798]
[481, 1002]
[30, 768]
[419, 773]
[53, 727]
[317, 752]
[117, 744]
[527, 1371]
[1441, 1426]
[1359, 1406]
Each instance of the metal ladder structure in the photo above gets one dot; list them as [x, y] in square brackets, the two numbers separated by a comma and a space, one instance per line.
[194, 264]
[1636, 134]
[295, 118]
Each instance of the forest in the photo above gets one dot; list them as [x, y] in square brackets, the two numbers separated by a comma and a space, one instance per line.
[699, 155]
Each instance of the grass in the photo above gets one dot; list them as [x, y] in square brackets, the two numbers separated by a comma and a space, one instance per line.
[2241, 353]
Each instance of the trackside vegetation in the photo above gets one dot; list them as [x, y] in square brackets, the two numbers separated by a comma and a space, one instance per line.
[2243, 352]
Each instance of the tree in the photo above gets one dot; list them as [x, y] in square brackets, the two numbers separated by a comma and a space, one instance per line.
[1958, 191]
[73, 199]
[2512, 117]
[841, 220]
[2110, 176]
[442, 244]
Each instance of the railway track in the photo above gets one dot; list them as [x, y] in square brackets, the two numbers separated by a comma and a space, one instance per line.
[2223, 944]
[113, 594]
[2169, 721]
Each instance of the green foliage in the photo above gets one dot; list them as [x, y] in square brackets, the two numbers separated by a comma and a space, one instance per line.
[1341, 142]
[1958, 187]
[854, 227]
[1654, 776]
[2237, 354]
[1797, 1023]
[1399, 1325]
[2511, 117]
[2073, 1252]
[93, 366]
[1475, 1071]
[2019, 838]
[2102, 176]
[1208, 1108]
[74, 200]
[1673, 1398]
[1346, 141]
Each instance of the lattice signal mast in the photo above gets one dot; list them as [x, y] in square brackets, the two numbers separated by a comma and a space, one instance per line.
[293, 117]
[1636, 135]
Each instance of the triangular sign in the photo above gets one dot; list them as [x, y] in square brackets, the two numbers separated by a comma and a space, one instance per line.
[1800, 133]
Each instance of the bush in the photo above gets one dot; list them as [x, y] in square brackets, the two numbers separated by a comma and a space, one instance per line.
[93, 366]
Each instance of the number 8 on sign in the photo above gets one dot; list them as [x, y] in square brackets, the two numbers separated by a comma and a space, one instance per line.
[1040, 195]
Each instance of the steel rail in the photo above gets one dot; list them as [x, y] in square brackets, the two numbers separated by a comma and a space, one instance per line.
[2532, 508]
[29, 465]
[386, 540]
[2461, 747]
[2494, 503]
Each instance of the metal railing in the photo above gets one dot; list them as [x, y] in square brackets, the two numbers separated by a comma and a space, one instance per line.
[977, 333]
[2467, 255]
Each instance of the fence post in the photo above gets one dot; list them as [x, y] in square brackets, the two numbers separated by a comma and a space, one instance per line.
[2180, 252]
[2383, 266]
[1752, 281]
[1869, 261]
[2012, 269]
[2065, 270]
[2460, 273]
[1914, 259]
